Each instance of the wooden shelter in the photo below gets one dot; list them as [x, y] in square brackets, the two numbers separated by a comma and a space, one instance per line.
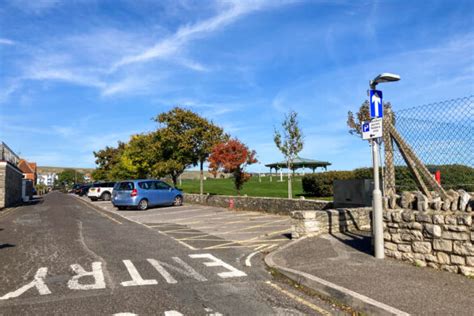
[298, 163]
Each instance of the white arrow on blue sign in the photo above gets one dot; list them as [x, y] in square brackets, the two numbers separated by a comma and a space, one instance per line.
[376, 104]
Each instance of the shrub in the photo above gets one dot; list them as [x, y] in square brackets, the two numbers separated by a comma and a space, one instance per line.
[455, 176]
[452, 177]
[321, 184]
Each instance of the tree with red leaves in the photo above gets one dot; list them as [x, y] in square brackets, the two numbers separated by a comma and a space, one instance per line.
[232, 157]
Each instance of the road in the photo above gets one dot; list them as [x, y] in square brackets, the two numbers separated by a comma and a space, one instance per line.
[62, 256]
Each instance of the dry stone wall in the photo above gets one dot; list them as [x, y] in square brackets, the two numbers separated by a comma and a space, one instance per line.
[311, 223]
[259, 204]
[437, 239]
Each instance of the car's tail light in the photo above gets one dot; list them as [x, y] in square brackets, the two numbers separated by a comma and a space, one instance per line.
[134, 192]
[98, 189]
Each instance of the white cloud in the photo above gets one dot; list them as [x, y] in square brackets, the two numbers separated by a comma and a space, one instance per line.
[6, 41]
[171, 45]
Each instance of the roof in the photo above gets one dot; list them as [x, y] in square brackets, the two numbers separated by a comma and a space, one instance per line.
[25, 167]
[300, 163]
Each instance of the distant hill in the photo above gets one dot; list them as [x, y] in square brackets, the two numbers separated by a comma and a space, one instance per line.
[48, 169]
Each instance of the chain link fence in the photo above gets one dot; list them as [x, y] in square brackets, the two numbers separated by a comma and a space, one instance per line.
[442, 136]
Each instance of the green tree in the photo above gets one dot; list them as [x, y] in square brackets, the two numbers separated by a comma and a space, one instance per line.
[69, 177]
[290, 143]
[354, 121]
[232, 157]
[185, 139]
[136, 159]
[106, 160]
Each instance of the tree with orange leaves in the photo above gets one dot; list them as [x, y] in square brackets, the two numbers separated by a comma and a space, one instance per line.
[232, 157]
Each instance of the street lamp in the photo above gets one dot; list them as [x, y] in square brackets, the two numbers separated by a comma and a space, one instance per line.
[377, 208]
[385, 77]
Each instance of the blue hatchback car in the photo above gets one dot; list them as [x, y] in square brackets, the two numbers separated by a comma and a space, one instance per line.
[142, 194]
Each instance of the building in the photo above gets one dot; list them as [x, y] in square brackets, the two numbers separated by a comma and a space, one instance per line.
[29, 170]
[11, 177]
[47, 178]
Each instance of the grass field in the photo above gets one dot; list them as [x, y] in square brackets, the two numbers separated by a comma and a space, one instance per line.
[252, 188]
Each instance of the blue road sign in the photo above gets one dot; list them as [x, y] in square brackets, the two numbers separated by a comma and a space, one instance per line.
[376, 107]
[366, 127]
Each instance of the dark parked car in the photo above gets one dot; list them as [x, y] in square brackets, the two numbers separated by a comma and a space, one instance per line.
[142, 194]
[83, 189]
[75, 188]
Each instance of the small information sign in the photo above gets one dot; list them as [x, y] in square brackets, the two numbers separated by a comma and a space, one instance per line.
[372, 129]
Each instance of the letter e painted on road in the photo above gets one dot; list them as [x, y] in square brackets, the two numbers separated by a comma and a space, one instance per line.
[38, 283]
[215, 262]
[96, 273]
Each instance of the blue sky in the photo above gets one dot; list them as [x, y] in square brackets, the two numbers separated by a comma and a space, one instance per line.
[76, 76]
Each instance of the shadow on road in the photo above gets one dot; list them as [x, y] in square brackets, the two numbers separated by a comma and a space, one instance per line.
[6, 246]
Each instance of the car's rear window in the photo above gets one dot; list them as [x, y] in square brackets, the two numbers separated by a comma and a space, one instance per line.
[124, 186]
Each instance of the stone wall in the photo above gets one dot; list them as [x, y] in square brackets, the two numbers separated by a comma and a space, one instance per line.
[10, 184]
[260, 204]
[311, 223]
[440, 240]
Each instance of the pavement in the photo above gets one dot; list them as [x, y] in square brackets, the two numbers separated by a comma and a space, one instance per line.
[341, 267]
[62, 255]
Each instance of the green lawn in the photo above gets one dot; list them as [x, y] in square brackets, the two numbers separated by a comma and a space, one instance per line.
[252, 188]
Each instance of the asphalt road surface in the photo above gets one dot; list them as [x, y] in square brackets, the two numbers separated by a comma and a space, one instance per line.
[62, 256]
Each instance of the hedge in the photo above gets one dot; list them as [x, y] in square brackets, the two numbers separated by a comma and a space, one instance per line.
[320, 184]
[452, 177]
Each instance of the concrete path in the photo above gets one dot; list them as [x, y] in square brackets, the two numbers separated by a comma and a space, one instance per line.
[340, 266]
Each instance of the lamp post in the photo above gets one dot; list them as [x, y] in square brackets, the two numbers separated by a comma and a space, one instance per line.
[377, 209]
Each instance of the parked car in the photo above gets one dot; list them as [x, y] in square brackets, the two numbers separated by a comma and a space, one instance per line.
[143, 194]
[101, 190]
[83, 189]
[76, 187]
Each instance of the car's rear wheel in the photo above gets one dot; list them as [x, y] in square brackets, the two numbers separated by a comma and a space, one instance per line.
[105, 196]
[143, 205]
[178, 200]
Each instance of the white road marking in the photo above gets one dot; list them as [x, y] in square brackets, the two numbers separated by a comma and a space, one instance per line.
[249, 257]
[259, 249]
[187, 270]
[136, 277]
[38, 283]
[96, 273]
[210, 312]
[215, 262]
[173, 313]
